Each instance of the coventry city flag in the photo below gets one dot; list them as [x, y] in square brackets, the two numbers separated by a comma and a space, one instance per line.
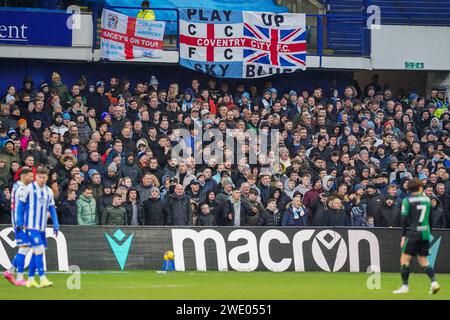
[245, 44]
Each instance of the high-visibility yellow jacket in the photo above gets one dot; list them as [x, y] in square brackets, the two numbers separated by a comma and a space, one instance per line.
[146, 14]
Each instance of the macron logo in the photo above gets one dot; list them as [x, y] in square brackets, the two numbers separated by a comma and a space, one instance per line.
[434, 250]
[120, 247]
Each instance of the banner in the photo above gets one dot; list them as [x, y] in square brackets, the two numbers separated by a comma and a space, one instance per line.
[245, 44]
[35, 28]
[127, 38]
[229, 249]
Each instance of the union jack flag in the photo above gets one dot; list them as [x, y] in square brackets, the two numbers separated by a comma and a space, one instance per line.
[277, 47]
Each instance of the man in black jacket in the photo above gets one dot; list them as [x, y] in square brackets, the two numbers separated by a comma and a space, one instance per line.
[271, 216]
[374, 200]
[98, 99]
[336, 215]
[437, 218]
[319, 210]
[205, 218]
[237, 210]
[179, 210]
[389, 213]
[155, 213]
[68, 210]
[105, 200]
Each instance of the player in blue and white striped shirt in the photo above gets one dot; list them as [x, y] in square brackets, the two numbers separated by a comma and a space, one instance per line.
[34, 204]
[22, 241]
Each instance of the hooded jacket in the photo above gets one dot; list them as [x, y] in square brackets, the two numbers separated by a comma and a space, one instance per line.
[104, 201]
[437, 217]
[140, 212]
[325, 183]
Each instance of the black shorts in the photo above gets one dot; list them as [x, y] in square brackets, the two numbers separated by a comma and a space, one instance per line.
[416, 247]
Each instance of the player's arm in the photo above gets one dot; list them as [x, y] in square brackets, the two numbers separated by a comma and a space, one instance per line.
[404, 215]
[430, 217]
[21, 207]
[53, 214]
[404, 219]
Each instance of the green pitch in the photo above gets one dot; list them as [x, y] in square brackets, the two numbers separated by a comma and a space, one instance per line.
[228, 285]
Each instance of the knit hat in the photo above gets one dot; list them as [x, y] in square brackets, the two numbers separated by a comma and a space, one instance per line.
[413, 96]
[103, 115]
[292, 93]
[113, 167]
[199, 175]
[66, 116]
[12, 132]
[393, 159]
[297, 194]
[389, 197]
[164, 178]
[204, 112]
[154, 189]
[314, 180]
[227, 181]
[91, 172]
[21, 122]
[371, 185]
[246, 94]
[59, 114]
[188, 91]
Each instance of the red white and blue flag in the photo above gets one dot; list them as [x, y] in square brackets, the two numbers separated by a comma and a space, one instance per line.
[128, 38]
[242, 44]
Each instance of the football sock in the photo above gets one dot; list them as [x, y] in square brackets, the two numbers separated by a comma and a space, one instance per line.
[404, 270]
[32, 267]
[40, 264]
[20, 262]
[12, 268]
[430, 273]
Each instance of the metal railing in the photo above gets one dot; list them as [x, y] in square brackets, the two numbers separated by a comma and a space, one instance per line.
[320, 40]
[327, 34]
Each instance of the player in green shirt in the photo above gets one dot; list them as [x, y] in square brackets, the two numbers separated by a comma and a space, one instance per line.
[415, 219]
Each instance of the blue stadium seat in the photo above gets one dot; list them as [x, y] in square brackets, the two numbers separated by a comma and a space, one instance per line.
[345, 27]
[347, 34]
[415, 12]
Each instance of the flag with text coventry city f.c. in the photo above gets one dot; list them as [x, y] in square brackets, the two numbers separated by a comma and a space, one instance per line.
[247, 44]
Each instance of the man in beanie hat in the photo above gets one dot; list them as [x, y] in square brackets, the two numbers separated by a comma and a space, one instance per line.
[312, 194]
[59, 86]
[98, 99]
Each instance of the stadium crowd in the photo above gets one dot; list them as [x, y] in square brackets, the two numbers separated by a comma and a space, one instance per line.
[345, 158]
